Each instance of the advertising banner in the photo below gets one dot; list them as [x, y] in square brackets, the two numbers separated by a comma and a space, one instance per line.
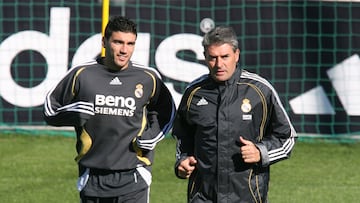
[307, 50]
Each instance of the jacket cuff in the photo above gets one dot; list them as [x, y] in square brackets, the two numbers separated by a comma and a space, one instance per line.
[265, 161]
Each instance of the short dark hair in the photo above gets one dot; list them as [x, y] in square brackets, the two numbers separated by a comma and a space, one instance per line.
[119, 23]
[221, 35]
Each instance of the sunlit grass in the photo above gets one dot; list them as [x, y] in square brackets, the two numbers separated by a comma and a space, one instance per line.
[42, 169]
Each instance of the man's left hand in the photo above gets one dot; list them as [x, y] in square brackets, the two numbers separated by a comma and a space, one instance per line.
[250, 153]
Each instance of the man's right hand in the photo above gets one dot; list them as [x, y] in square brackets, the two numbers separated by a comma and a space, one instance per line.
[186, 167]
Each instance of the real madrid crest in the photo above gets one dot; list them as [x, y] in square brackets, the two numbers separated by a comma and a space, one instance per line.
[246, 106]
[139, 92]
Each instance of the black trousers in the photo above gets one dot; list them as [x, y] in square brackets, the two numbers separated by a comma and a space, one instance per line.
[116, 187]
[136, 197]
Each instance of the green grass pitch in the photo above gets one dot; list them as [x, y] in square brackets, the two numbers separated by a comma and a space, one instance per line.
[42, 169]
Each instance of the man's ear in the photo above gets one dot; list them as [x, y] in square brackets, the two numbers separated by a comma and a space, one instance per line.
[103, 41]
[237, 52]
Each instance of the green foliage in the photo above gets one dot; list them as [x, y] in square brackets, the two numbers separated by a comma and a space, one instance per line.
[41, 169]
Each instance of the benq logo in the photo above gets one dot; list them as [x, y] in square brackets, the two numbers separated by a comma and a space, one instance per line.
[115, 101]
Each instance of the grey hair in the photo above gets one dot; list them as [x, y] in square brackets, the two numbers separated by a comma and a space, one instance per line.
[221, 35]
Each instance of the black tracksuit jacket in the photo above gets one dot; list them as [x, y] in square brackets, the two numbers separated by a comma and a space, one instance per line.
[210, 119]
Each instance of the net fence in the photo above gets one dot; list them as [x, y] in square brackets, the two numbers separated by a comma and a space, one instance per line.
[307, 49]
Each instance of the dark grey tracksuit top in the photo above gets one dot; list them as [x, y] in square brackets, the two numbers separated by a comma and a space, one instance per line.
[119, 116]
[211, 118]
